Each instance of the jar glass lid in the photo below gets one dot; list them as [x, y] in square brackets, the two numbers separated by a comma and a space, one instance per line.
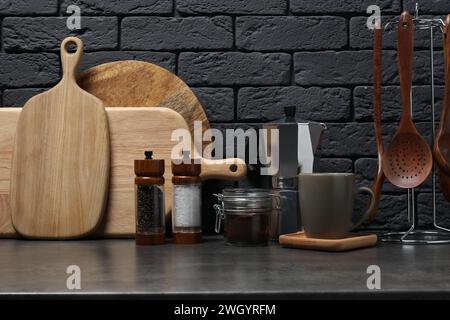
[241, 199]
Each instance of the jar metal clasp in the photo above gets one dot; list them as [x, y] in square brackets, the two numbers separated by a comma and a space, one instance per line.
[278, 201]
[220, 213]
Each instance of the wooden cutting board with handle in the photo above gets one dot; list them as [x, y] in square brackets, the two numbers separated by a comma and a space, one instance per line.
[132, 131]
[61, 158]
[133, 83]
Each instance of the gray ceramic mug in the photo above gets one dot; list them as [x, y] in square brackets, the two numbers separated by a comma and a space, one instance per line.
[326, 204]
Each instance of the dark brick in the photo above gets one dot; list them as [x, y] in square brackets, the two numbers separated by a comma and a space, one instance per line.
[391, 215]
[425, 212]
[318, 104]
[392, 102]
[282, 33]
[424, 129]
[253, 7]
[28, 7]
[422, 70]
[234, 68]
[365, 170]
[355, 67]
[162, 59]
[112, 7]
[361, 37]
[349, 139]
[18, 97]
[428, 6]
[26, 70]
[217, 102]
[342, 6]
[357, 139]
[335, 165]
[158, 33]
[46, 33]
[330, 67]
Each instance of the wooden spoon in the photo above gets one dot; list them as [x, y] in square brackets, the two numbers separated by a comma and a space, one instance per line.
[442, 141]
[379, 178]
[408, 160]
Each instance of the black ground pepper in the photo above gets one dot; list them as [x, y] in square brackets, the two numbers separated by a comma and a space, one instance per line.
[150, 209]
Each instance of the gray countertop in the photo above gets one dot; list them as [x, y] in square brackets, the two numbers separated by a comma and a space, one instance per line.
[117, 268]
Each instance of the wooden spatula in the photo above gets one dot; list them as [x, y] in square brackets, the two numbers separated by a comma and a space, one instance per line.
[61, 159]
[442, 141]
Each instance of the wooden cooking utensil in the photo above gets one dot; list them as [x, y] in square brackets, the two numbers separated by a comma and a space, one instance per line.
[408, 160]
[132, 131]
[60, 166]
[441, 147]
[142, 84]
[379, 178]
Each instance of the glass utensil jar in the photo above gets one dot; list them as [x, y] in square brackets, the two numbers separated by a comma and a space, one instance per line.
[149, 189]
[246, 214]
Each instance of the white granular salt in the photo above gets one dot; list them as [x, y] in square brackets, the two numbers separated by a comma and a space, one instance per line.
[186, 210]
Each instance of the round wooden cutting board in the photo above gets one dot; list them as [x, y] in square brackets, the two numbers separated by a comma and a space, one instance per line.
[133, 83]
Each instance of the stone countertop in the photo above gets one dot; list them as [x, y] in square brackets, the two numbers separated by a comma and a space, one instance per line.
[117, 268]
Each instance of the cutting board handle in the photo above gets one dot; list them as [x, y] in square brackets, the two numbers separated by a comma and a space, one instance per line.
[70, 61]
[226, 169]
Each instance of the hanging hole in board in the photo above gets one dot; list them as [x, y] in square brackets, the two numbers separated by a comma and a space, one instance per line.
[71, 47]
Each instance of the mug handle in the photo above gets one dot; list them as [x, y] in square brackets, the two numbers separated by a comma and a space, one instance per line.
[369, 209]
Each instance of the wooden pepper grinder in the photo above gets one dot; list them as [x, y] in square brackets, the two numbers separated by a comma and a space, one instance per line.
[150, 214]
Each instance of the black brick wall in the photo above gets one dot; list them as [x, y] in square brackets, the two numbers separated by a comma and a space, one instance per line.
[246, 60]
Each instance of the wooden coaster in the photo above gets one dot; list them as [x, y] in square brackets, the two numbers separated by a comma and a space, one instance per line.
[353, 241]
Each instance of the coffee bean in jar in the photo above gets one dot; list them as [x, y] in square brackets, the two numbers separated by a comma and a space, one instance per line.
[247, 229]
[246, 214]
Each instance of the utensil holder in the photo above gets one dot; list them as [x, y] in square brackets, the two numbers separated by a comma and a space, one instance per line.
[441, 234]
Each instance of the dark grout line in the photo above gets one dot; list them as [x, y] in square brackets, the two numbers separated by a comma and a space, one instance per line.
[119, 33]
